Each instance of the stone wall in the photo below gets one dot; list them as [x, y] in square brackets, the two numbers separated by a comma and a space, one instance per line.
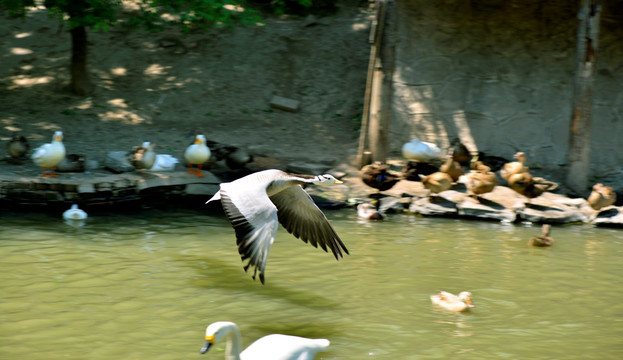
[499, 75]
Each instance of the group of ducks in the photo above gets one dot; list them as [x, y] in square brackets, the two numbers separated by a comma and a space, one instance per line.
[255, 205]
[479, 179]
[49, 156]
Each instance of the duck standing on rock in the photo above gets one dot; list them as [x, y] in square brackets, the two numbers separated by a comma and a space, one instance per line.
[514, 167]
[196, 154]
[420, 150]
[47, 156]
[480, 180]
[544, 239]
[601, 196]
[17, 147]
[452, 168]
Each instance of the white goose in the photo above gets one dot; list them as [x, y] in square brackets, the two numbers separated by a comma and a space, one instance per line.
[196, 154]
[453, 302]
[47, 156]
[273, 347]
[74, 213]
[257, 203]
[420, 150]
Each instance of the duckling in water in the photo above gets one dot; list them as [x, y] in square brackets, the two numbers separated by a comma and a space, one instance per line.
[544, 239]
[453, 302]
[370, 211]
[601, 196]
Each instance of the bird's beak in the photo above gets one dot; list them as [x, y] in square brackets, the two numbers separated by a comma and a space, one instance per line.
[206, 346]
[197, 141]
[338, 181]
[469, 303]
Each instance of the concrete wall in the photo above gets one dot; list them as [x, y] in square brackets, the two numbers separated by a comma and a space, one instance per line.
[499, 75]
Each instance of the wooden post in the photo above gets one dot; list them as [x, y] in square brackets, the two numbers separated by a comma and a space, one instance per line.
[373, 139]
[381, 95]
[578, 156]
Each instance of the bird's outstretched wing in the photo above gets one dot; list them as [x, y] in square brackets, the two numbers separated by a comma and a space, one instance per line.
[298, 213]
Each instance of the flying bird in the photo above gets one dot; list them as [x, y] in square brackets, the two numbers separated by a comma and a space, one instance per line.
[257, 203]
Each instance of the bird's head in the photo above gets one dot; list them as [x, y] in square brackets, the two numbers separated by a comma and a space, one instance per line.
[326, 179]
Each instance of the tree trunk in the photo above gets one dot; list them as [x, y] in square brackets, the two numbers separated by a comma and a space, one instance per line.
[581, 117]
[79, 83]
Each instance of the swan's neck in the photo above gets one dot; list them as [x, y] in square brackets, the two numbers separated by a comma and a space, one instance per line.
[233, 347]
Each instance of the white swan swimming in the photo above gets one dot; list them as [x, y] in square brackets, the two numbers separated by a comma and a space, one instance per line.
[270, 347]
[47, 156]
[74, 213]
[257, 203]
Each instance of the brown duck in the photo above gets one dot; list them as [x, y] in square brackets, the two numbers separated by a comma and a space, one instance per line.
[378, 176]
[437, 182]
[601, 196]
[480, 180]
[544, 239]
[514, 167]
[529, 186]
[452, 168]
[17, 147]
[460, 152]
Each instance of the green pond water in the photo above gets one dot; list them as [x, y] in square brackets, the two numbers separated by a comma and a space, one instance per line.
[145, 285]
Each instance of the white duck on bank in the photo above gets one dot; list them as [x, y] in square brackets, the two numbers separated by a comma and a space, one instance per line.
[47, 156]
[164, 162]
[74, 213]
[196, 154]
[273, 347]
[453, 302]
[257, 203]
[420, 150]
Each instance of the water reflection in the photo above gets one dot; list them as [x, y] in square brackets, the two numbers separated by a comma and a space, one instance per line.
[145, 285]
